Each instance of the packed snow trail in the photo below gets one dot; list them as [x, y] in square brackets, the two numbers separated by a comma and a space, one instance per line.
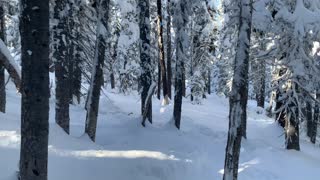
[125, 150]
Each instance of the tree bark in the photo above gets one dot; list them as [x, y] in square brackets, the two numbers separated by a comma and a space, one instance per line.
[182, 9]
[315, 120]
[2, 70]
[161, 53]
[97, 71]
[34, 30]
[239, 94]
[146, 75]
[113, 83]
[169, 50]
[308, 116]
[292, 127]
[62, 68]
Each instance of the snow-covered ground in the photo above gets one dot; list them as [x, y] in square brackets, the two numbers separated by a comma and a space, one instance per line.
[126, 151]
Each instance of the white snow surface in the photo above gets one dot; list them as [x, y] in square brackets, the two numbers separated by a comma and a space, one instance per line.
[125, 150]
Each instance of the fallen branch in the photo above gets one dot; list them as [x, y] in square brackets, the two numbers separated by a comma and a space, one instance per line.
[10, 65]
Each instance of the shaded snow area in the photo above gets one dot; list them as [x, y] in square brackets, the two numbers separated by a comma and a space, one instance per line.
[125, 150]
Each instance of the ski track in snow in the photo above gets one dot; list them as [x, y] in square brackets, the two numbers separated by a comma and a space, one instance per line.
[125, 150]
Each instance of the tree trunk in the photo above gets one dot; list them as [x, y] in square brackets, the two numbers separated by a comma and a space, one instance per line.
[182, 10]
[97, 71]
[292, 128]
[2, 70]
[280, 115]
[161, 53]
[61, 52]
[159, 81]
[146, 75]
[260, 88]
[308, 116]
[239, 94]
[315, 120]
[94, 92]
[113, 83]
[209, 82]
[169, 51]
[34, 30]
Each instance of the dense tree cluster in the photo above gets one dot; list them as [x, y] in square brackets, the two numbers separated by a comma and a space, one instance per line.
[265, 50]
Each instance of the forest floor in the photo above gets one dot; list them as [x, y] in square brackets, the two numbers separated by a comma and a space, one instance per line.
[124, 150]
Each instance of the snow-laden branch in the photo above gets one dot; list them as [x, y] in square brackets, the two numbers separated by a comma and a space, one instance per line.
[10, 65]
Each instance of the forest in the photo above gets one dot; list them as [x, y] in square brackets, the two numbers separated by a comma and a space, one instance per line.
[159, 89]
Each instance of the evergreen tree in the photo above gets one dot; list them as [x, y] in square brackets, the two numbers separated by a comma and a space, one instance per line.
[239, 94]
[35, 89]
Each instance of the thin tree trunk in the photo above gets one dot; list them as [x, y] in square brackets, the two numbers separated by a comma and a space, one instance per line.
[34, 30]
[159, 81]
[169, 50]
[239, 94]
[112, 80]
[209, 82]
[146, 75]
[308, 116]
[61, 52]
[2, 70]
[315, 120]
[292, 127]
[94, 92]
[260, 91]
[161, 53]
[182, 10]
[97, 71]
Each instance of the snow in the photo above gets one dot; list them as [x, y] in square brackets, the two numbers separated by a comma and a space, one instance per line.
[125, 150]
[4, 50]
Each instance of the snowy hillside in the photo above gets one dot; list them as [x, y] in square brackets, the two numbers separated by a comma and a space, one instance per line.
[125, 150]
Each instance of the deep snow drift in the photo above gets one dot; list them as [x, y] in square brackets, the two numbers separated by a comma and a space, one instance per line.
[125, 150]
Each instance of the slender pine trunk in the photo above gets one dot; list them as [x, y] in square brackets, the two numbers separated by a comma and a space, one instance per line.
[2, 69]
[93, 99]
[239, 94]
[169, 50]
[146, 75]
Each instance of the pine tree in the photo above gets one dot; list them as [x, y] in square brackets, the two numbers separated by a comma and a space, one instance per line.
[146, 78]
[163, 69]
[93, 98]
[169, 50]
[35, 89]
[2, 69]
[239, 94]
[61, 60]
[182, 10]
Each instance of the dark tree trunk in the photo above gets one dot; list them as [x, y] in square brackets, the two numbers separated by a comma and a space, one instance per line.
[94, 92]
[2, 70]
[113, 83]
[184, 84]
[308, 116]
[292, 128]
[280, 115]
[209, 82]
[161, 53]
[146, 78]
[2, 90]
[260, 91]
[315, 120]
[169, 51]
[159, 81]
[34, 30]
[182, 10]
[61, 56]
[97, 71]
[239, 94]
